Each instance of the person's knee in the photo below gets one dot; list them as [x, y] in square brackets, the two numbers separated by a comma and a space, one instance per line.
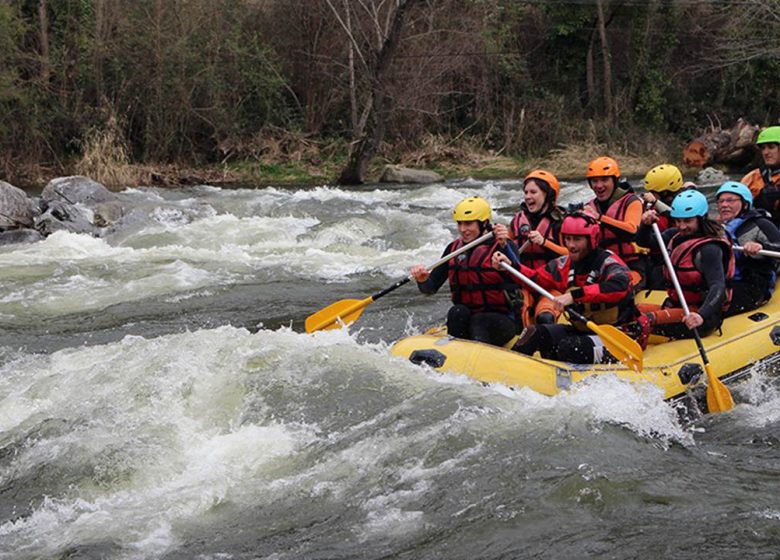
[458, 321]
[576, 349]
[545, 318]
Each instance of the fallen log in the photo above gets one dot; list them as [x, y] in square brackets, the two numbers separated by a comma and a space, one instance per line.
[734, 146]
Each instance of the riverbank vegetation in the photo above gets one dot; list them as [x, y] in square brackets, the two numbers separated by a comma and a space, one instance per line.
[159, 91]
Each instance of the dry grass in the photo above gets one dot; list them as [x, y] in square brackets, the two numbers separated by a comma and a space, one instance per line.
[104, 158]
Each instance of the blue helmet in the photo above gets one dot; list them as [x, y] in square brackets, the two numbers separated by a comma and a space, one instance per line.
[689, 204]
[738, 189]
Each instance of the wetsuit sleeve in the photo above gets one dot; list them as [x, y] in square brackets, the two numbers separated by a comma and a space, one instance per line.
[631, 221]
[438, 276]
[542, 276]
[771, 233]
[612, 287]
[709, 261]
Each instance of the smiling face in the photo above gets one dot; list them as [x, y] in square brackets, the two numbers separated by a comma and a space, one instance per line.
[603, 187]
[729, 206]
[468, 231]
[687, 226]
[578, 246]
[534, 196]
[771, 153]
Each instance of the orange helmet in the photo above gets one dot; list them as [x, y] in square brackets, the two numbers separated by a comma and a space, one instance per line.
[548, 178]
[603, 167]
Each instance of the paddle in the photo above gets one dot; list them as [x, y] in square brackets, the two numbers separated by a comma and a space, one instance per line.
[719, 398]
[616, 341]
[762, 252]
[346, 311]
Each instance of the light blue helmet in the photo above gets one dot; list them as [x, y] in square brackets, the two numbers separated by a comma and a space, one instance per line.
[738, 189]
[689, 204]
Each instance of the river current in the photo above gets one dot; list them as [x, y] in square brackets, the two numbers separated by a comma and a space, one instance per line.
[160, 399]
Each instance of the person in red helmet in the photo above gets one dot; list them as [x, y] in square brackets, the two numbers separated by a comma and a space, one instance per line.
[592, 280]
[618, 211]
[539, 224]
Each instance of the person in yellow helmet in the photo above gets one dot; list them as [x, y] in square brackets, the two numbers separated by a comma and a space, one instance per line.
[537, 227]
[662, 183]
[485, 301]
[618, 210]
[764, 182]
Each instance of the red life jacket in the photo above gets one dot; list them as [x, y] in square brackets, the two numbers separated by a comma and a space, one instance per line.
[534, 255]
[682, 252]
[475, 283]
[621, 244]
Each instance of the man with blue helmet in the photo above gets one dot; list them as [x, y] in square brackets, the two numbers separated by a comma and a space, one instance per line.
[755, 276]
[703, 261]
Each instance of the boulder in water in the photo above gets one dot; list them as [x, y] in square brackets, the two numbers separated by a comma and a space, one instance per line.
[77, 204]
[399, 174]
[16, 209]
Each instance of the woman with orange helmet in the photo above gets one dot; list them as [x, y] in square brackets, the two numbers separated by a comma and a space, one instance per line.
[590, 279]
[538, 223]
[618, 210]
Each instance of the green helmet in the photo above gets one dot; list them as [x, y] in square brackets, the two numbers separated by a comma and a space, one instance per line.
[769, 135]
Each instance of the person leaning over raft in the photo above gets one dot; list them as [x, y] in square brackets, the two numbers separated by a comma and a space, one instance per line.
[484, 299]
[754, 276]
[618, 211]
[539, 224]
[592, 280]
[703, 261]
[764, 182]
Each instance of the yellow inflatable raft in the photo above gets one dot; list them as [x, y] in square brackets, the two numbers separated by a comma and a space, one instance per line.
[673, 366]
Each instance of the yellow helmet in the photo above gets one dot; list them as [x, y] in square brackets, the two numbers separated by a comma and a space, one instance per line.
[472, 208]
[664, 177]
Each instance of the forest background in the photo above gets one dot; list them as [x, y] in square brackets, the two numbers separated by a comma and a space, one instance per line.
[260, 91]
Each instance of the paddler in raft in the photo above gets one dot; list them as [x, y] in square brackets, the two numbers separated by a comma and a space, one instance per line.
[536, 228]
[486, 302]
[662, 183]
[591, 279]
[618, 210]
[751, 228]
[702, 257]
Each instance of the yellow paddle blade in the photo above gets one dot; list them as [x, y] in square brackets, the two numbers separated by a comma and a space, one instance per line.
[336, 315]
[620, 345]
[719, 398]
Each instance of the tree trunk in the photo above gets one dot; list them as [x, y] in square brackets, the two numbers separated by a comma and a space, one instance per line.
[365, 147]
[43, 33]
[606, 57]
[733, 146]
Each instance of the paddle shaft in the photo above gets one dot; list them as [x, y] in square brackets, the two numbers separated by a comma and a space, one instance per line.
[438, 263]
[762, 252]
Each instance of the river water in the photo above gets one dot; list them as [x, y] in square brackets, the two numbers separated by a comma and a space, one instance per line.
[159, 399]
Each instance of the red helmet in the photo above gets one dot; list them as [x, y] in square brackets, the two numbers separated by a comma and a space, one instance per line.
[580, 224]
[603, 167]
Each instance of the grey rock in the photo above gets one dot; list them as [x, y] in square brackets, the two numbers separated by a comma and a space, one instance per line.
[710, 176]
[16, 209]
[400, 174]
[25, 235]
[77, 204]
